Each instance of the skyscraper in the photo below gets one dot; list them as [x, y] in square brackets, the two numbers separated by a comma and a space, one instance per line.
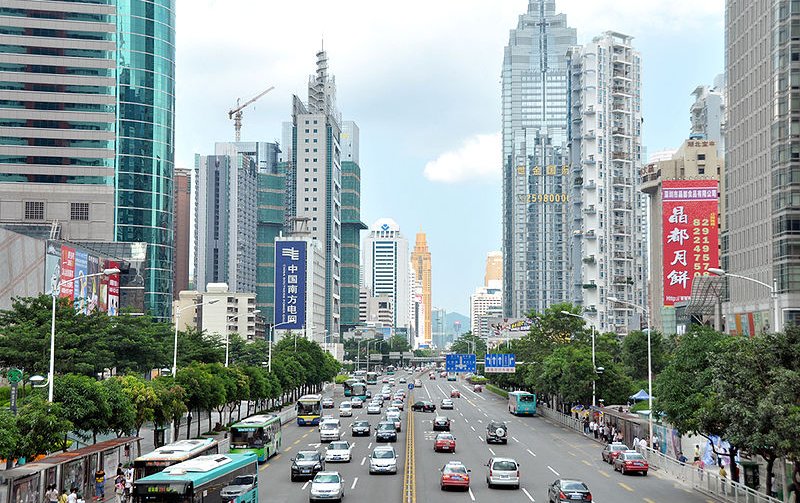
[707, 113]
[760, 236]
[89, 105]
[182, 219]
[535, 171]
[494, 267]
[421, 263]
[386, 268]
[608, 243]
[351, 225]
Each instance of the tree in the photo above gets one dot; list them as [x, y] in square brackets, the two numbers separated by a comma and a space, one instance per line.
[398, 343]
[197, 346]
[634, 353]
[43, 427]
[568, 373]
[203, 391]
[143, 397]
[122, 413]
[171, 403]
[84, 404]
[469, 343]
[10, 436]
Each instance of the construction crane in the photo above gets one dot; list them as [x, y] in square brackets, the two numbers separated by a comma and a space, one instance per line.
[236, 113]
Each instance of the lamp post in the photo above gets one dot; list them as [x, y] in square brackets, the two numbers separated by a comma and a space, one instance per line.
[228, 334]
[594, 363]
[649, 363]
[56, 290]
[777, 326]
[271, 337]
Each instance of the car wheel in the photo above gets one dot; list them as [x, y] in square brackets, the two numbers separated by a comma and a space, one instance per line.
[516, 487]
[488, 484]
[293, 478]
[644, 473]
[622, 470]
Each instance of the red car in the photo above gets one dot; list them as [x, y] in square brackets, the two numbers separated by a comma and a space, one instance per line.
[455, 474]
[445, 442]
[631, 461]
[612, 450]
[477, 388]
[455, 393]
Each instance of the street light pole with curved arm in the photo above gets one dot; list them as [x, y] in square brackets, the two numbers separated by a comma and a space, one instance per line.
[777, 326]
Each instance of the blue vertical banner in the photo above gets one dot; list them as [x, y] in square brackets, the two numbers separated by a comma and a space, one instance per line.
[290, 284]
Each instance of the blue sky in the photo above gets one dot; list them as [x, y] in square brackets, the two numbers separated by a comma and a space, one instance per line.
[422, 80]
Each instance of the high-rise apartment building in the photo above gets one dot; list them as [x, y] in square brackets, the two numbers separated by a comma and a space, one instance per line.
[182, 219]
[421, 263]
[608, 248]
[494, 267]
[351, 225]
[88, 117]
[225, 219]
[760, 236]
[535, 164]
[484, 304]
[707, 113]
[386, 268]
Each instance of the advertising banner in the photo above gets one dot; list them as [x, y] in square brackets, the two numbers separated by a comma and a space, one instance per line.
[290, 284]
[93, 288]
[81, 284]
[690, 210]
[67, 272]
[112, 284]
[52, 267]
[509, 328]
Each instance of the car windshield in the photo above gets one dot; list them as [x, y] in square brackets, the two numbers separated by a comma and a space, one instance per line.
[527, 398]
[326, 478]
[455, 469]
[328, 426]
[308, 456]
[572, 485]
[383, 454]
[619, 447]
[242, 480]
[345, 405]
[634, 456]
[444, 436]
[386, 426]
[360, 423]
[339, 446]
[504, 465]
[499, 425]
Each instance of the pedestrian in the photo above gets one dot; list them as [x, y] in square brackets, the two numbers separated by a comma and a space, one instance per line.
[100, 484]
[128, 483]
[655, 443]
[119, 489]
[636, 442]
[51, 495]
[696, 453]
[586, 426]
[64, 496]
[642, 445]
[596, 430]
[723, 476]
[80, 499]
[119, 470]
[73, 495]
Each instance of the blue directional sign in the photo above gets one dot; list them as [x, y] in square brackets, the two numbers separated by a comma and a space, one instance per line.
[460, 363]
[500, 363]
[410, 385]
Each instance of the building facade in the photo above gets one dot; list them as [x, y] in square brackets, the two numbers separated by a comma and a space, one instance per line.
[182, 220]
[535, 165]
[484, 304]
[608, 248]
[421, 263]
[88, 120]
[494, 267]
[707, 113]
[386, 268]
[759, 237]
[351, 226]
[230, 314]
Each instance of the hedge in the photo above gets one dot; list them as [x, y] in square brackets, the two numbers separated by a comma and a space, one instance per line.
[499, 391]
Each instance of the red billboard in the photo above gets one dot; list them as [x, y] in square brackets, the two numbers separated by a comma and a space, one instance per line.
[690, 214]
[67, 272]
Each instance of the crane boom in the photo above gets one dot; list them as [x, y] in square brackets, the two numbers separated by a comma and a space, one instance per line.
[236, 113]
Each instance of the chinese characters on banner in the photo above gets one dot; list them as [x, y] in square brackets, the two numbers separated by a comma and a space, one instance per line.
[690, 210]
[89, 292]
[290, 284]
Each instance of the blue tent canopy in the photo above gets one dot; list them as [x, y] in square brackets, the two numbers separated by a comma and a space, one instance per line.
[641, 395]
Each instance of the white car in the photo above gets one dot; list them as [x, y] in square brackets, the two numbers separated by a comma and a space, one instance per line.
[393, 415]
[383, 460]
[326, 486]
[373, 408]
[345, 409]
[399, 404]
[338, 451]
[447, 403]
[328, 432]
[356, 402]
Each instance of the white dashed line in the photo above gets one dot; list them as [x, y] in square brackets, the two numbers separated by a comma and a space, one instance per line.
[528, 494]
[305, 485]
[514, 439]
[480, 438]
[369, 446]
[531, 452]
[363, 461]
[471, 496]
[355, 481]
[551, 469]
[480, 421]
[466, 420]
[473, 428]
[490, 450]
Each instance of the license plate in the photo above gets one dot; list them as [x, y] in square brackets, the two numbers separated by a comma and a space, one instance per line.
[576, 496]
[445, 448]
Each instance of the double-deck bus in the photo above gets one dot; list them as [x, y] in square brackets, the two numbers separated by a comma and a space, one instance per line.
[522, 403]
[212, 479]
[372, 378]
[260, 434]
[171, 454]
[391, 369]
[354, 387]
[309, 410]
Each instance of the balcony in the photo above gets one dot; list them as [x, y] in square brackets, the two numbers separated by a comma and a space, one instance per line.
[589, 135]
[620, 180]
[620, 156]
[590, 234]
[589, 110]
[589, 260]
[622, 280]
[622, 205]
[622, 230]
[590, 185]
[590, 210]
[578, 181]
[590, 286]
[620, 90]
[621, 256]
[590, 160]
[618, 131]
[590, 309]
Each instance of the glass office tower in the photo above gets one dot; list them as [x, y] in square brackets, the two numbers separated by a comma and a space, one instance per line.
[145, 139]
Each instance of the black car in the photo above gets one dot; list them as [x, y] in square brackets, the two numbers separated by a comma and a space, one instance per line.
[386, 432]
[568, 491]
[423, 406]
[441, 423]
[360, 428]
[306, 464]
[496, 431]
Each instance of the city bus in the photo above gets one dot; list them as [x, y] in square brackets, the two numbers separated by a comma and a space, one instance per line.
[354, 387]
[171, 454]
[522, 403]
[309, 410]
[259, 434]
[372, 378]
[231, 478]
[359, 374]
[390, 370]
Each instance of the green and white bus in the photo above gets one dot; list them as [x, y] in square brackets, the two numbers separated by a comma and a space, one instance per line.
[372, 378]
[259, 434]
[522, 403]
[171, 454]
[214, 478]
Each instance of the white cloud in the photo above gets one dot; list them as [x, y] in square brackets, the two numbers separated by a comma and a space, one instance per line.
[478, 157]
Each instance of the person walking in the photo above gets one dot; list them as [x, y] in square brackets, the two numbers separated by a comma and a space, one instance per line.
[100, 484]
[696, 453]
[73, 496]
[63, 497]
[119, 489]
[51, 494]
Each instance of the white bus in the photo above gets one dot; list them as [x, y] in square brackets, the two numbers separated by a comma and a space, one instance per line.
[170, 454]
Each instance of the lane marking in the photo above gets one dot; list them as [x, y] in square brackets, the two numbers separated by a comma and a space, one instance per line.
[363, 461]
[480, 421]
[586, 462]
[604, 474]
[471, 496]
[572, 454]
[287, 449]
[528, 494]
[480, 438]
[304, 436]
[277, 456]
[305, 485]
[648, 500]
[514, 439]
[531, 452]
[355, 481]
[625, 486]
[551, 469]
[490, 450]
[369, 446]
[465, 419]
[473, 428]
[296, 442]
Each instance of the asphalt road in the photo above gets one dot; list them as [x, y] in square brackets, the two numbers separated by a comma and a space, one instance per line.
[545, 452]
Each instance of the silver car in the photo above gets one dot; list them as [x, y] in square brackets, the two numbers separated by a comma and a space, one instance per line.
[326, 486]
[502, 472]
[239, 486]
[383, 460]
[373, 408]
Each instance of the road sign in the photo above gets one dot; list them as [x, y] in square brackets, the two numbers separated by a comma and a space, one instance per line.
[14, 375]
[500, 363]
[394, 355]
[375, 357]
[410, 386]
[408, 354]
[460, 363]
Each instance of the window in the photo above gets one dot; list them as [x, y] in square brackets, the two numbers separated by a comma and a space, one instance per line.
[79, 211]
[34, 210]
[701, 157]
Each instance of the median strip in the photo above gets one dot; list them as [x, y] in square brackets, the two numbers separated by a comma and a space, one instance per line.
[409, 470]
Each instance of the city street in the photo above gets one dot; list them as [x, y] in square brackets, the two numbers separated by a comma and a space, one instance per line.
[545, 452]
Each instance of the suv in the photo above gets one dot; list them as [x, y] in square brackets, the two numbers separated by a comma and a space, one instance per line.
[496, 431]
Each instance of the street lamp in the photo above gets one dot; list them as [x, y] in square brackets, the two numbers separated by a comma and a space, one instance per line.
[55, 292]
[649, 363]
[594, 363]
[773, 292]
[177, 319]
[228, 334]
[271, 337]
